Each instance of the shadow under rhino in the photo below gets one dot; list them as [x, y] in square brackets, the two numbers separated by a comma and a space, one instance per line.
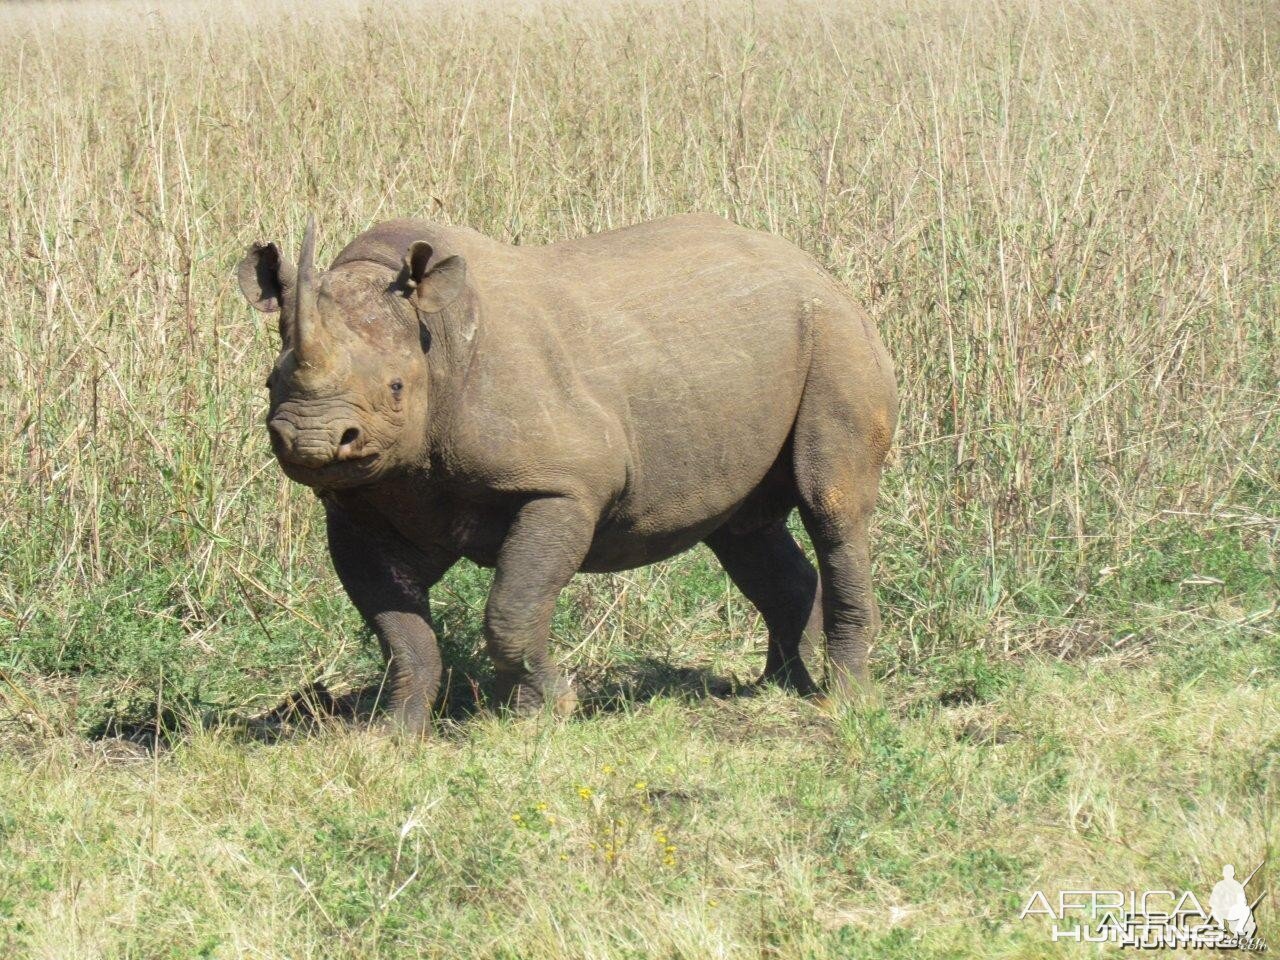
[463, 696]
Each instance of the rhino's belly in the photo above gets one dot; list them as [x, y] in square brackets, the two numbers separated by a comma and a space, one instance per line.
[615, 549]
[659, 520]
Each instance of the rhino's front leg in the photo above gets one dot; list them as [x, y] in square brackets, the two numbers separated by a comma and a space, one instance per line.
[543, 549]
[389, 583]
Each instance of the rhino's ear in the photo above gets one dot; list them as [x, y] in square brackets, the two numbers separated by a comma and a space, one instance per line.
[433, 286]
[263, 275]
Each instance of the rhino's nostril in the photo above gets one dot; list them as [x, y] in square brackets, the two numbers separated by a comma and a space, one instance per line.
[349, 436]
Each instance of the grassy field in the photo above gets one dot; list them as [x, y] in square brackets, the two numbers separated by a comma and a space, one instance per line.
[1066, 219]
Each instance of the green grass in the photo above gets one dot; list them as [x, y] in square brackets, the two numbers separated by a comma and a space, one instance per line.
[677, 826]
[1063, 218]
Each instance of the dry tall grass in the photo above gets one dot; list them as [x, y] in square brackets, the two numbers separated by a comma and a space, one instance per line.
[1062, 215]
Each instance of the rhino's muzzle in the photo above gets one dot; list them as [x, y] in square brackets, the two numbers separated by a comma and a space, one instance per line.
[315, 446]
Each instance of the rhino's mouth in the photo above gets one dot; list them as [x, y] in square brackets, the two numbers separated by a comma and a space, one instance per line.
[335, 474]
[353, 462]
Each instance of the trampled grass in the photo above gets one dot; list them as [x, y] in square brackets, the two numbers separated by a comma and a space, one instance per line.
[1064, 218]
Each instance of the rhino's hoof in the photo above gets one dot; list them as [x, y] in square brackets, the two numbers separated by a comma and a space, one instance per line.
[529, 699]
[795, 679]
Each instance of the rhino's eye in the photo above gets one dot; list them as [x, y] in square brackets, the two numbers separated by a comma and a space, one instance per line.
[396, 387]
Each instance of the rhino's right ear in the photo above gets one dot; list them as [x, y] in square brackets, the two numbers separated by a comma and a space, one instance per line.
[263, 275]
[437, 284]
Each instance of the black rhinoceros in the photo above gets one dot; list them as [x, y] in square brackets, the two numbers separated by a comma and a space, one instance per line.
[591, 405]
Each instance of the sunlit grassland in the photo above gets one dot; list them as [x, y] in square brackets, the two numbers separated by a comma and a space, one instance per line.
[1064, 218]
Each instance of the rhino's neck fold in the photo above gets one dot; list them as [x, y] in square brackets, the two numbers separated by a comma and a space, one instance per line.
[455, 345]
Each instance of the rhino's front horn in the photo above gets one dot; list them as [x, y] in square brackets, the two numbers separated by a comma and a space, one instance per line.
[308, 336]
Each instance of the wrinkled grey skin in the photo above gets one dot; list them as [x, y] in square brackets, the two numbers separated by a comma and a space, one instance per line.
[591, 405]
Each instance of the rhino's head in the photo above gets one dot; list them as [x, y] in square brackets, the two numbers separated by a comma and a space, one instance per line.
[349, 387]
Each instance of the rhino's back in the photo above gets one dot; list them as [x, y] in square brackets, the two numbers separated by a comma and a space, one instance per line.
[686, 260]
[681, 259]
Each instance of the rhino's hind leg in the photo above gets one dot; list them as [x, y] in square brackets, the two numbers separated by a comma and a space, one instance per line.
[851, 617]
[771, 570]
[838, 481]
[842, 435]
[542, 551]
